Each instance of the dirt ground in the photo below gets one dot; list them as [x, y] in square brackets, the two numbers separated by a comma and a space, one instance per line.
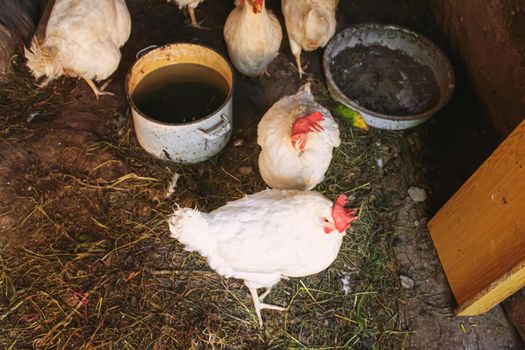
[85, 255]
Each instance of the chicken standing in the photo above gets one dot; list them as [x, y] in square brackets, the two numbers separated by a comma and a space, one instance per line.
[191, 5]
[83, 39]
[253, 36]
[310, 24]
[296, 136]
[266, 236]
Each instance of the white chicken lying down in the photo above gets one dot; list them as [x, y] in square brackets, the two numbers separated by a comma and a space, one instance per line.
[83, 39]
[296, 136]
[310, 24]
[191, 5]
[266, 236]
[253, 36]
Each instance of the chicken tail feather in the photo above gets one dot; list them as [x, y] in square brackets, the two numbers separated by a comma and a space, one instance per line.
[306, 89]
[186, 225]
[42, 60]
[315, 24]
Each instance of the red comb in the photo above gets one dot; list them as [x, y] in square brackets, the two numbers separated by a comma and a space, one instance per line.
[342, 216]
[307, 124]
[258, 5]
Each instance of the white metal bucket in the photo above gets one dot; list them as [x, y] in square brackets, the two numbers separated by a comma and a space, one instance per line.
[189, 142]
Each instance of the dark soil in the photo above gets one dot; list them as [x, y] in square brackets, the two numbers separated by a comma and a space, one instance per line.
[385, 80]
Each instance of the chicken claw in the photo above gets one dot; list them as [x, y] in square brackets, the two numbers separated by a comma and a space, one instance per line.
[194, 23]
[259, 305]
[266, 72]
[98, 92]
[300, 69]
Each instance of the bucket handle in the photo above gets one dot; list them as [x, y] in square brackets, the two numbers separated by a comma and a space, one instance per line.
[143, 51]
[218, 130]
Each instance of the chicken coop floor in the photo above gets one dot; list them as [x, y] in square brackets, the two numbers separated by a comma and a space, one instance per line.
[86, 260]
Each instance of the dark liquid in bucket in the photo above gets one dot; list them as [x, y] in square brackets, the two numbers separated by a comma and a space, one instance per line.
[181, 93]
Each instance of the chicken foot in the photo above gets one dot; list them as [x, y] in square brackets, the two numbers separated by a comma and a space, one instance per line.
[265, 294]
[299, 67]
[259, 305]
[266, 72]
[98, 92]
[194, 23]
[296, 51]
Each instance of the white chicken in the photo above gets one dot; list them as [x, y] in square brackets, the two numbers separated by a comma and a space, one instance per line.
[253, 36]
[266, 236]
[83, 39]
[296, 136]
[310, 24]
[190, 5]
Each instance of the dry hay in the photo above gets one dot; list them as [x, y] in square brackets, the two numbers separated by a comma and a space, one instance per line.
[105, 274]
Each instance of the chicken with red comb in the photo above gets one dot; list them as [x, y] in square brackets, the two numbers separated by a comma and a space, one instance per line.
[253, 37]
[297, 136]
[266, 236]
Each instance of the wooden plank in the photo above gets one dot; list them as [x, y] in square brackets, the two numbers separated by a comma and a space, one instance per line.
[479, 233]
[495, 293]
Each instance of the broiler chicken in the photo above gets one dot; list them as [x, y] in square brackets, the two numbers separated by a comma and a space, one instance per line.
[266, 236]
[253, 36]
[190, 5]
[296, 136]
[83, 39]
[310, 24]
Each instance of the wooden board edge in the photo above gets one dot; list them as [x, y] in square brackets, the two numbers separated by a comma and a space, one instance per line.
[437, 216]
[495, 293]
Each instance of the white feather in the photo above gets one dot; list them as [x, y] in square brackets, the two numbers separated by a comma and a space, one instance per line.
[280, 164]
[253, 39]
[83, 39]
[310, 23]
[262, 237]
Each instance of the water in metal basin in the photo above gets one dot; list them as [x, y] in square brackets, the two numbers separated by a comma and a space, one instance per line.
[385, 80]
[181, 93]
